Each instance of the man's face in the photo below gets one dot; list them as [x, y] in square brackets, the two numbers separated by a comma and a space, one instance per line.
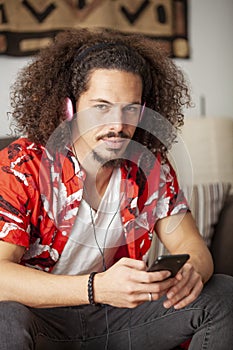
[107, 114]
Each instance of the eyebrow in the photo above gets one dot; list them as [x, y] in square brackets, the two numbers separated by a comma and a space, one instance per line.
[105, 101]
[100, 100]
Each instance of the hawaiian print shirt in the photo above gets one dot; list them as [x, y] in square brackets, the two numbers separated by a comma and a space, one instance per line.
[40, 196]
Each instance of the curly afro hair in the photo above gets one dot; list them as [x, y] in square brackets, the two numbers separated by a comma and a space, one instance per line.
[63, 69]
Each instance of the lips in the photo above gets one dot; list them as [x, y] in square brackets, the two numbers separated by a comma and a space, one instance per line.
[114, 143]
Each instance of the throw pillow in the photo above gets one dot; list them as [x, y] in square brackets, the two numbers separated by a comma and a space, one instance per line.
[207, 200]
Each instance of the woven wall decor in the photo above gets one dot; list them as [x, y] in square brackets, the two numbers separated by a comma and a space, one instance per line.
[28, 25]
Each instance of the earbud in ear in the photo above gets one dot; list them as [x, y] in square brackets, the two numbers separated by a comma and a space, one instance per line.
[69, 112]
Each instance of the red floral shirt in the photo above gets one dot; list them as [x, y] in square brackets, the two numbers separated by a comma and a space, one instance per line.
[40, 196]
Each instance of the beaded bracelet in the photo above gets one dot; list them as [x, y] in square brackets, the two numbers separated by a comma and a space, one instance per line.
[90, 288]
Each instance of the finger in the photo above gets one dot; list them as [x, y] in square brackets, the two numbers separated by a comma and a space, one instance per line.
[150, 277]
[188, 292]
[179, 291]
[185, 279]
[141, 291]
[154, 287]
[133, 263]
[159, 275]
[157, 296]
[148, 297]
[189, 298]
[178, 288]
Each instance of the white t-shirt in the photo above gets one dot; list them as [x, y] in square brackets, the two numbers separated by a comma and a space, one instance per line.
[83, 252]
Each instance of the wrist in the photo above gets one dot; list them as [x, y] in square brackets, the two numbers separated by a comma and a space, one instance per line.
[98, 289]
[90, 288]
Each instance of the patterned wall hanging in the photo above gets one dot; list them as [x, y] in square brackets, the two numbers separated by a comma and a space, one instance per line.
[28, 25]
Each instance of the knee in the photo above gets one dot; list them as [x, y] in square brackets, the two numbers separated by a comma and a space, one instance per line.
[12, 311]
[13, 315]
[219, 290]
[222, 284]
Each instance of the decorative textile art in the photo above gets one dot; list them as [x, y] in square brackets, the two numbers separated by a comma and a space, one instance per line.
[28, 25]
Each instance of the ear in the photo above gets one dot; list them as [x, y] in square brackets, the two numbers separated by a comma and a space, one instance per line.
[69, 111]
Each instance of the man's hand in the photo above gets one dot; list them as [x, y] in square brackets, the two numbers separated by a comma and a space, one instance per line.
[128, 284]
[187, 288]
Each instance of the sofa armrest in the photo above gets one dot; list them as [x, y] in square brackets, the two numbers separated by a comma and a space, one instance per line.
[222, 242]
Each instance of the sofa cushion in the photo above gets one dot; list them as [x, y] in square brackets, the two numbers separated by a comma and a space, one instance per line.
[206, 202]
[222, 244]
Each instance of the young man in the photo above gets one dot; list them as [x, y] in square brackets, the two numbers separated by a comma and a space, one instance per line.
[81, 195]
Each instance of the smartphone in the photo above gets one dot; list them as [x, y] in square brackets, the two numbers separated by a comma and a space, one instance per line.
[172, 263]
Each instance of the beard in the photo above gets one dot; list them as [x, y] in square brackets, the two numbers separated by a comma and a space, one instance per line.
[108, 163]
[112, 161]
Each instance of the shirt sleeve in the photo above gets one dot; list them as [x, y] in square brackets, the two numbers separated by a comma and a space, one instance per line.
[14, 200]
[171, 199]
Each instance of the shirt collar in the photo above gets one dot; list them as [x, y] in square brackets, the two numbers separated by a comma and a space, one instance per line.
[71, 167]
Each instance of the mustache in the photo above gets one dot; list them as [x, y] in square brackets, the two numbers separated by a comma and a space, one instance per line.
[110, 134]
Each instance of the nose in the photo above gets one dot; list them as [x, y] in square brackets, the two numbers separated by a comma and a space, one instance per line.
[116, 120]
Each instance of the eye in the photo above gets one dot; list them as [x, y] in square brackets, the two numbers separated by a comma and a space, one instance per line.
[101, 107]
[134, 109]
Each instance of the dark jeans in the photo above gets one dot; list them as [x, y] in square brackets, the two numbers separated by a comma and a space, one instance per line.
[208, 320]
